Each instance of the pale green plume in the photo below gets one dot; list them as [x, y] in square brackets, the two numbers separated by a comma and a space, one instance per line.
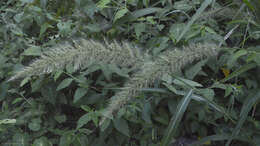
[169, 62]
[82, 53]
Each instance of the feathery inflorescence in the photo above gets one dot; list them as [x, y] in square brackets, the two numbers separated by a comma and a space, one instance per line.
[169, 62]
[82, 53]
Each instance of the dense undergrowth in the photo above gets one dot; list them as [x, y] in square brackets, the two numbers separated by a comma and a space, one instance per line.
[129, 72]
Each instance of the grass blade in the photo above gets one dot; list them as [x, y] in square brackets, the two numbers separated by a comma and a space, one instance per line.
[204, 5]
[252, 99]
[174, 123]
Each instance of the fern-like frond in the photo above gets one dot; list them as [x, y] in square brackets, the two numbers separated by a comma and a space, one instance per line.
[82, 53]
[168, 62]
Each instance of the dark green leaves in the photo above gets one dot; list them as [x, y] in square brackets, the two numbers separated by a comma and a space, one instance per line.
[65, 83]
[80, 92]
[122, 126]
[175, 120]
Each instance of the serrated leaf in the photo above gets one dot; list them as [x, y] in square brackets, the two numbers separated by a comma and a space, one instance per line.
[80, 92]
[120, 14]
[65, 83]
[122, 126]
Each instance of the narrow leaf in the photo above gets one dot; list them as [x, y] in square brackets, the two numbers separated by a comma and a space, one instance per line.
[174, 123]
[194, 18]
[252, 99]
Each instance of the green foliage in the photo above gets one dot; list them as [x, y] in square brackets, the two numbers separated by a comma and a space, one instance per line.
[64, 89]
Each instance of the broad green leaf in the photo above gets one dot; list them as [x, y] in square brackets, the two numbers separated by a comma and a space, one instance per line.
[120, 14]
[203, 6]
[122, 126]
[252, 99]
[80, 92]
[175, 120]
[83, 120]
[65, 83]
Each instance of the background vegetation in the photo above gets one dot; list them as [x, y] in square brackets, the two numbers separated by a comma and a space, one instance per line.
[213, 101]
